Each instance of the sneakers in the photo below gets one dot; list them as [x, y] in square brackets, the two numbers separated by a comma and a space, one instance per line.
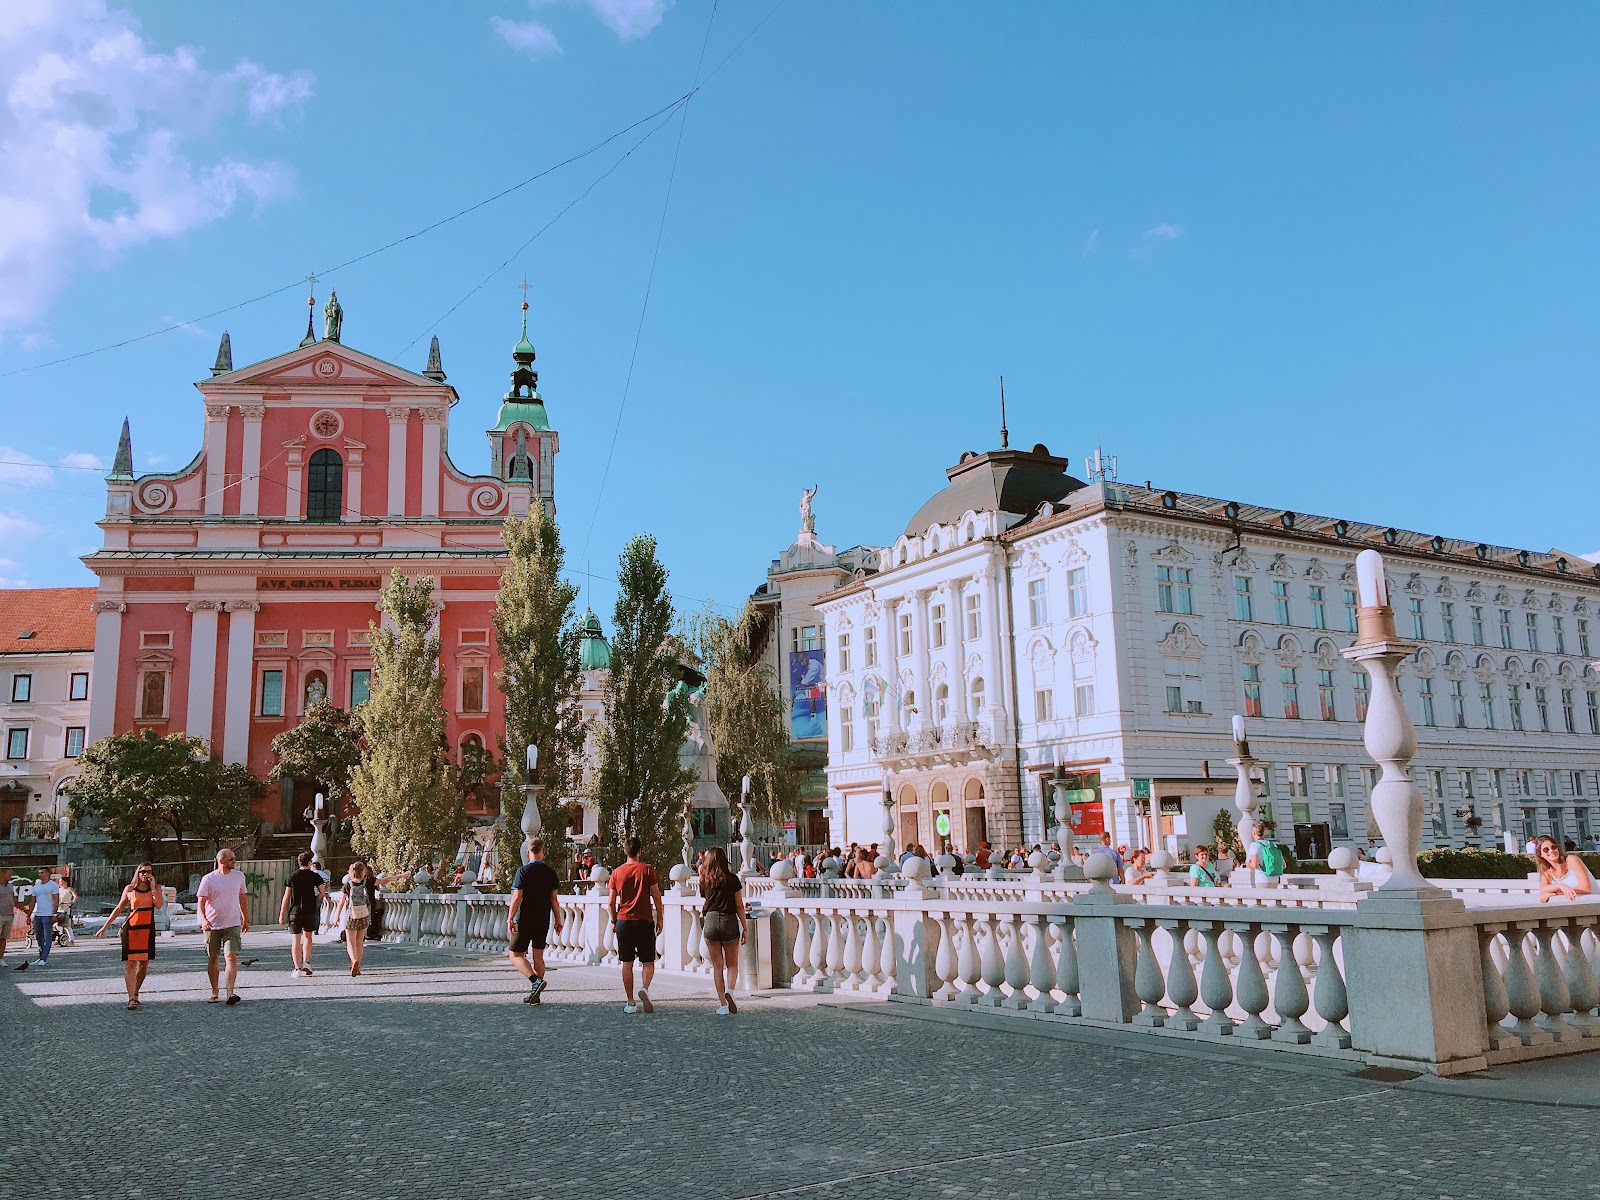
[296, 971]
[538, 986]
[721, 1010]
[306, 970]
[728, 1004]
[629, 1009]
[645, 1002]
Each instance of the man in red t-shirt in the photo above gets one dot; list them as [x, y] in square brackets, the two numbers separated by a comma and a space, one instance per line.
[637, 916]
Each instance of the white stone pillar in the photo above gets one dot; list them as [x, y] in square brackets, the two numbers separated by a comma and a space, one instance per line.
[399, 420]
[352, 480]
[294, 469]
[956, 649]
[240, 680]
[432, 454]
[921, 669]
[107, 653]
[993, 674]
[891, 668]
[250, 467]
[202, 666]
[216, 450]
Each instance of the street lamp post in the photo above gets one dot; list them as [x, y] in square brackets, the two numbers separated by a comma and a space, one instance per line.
[747, 830]
[1063, 813]
[531, 822]
[1244, 791]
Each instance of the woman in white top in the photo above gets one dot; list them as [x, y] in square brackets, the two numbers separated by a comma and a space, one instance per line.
[1560, 874]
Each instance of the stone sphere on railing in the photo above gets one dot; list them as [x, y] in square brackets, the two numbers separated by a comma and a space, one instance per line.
[1100, 870]
[1384, 856]
[946, 863]
[916, 868]
[1343, 860]
[782, 870]
[1039, 860]
[680, 874]
[1160, 860]
[599, 874]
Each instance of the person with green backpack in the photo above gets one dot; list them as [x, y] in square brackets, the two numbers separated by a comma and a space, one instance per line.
[1265, 859]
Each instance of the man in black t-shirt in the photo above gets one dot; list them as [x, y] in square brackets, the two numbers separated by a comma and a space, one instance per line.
[301, 910]
[534, 904]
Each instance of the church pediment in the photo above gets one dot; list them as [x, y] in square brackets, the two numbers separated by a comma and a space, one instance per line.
[324, 364]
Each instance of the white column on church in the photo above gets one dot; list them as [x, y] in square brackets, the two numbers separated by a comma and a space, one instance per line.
[202, 666]
[216, 449]
[399, 420]
[240, 680]
[107, 653]
[993, 674]
[920, 662]
[294, 470]
[352, 480]
[891, 651]
[956, 625]
[432, 454]
[250, 467]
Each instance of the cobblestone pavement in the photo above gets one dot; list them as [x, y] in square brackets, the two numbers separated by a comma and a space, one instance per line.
[426, 1078]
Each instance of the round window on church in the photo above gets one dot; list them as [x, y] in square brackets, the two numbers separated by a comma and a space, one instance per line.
[327, 424]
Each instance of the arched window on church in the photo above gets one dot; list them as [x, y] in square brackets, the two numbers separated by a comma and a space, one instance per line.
[325, 486]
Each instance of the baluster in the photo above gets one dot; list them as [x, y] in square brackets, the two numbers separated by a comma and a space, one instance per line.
[1070, 1004]
[1495, 1004]
[1289, 995]
[801, 954]
[886, 967]
[1590, 941]
[1522, 992]
[1581, 981]
[694, 950]
[1041, 971]
[1554, 999]
[852, 950]
[836, 922]
[1016, 966]
[994, 968]
[1251, 990]
[1215, 986]
[1333, 1002]
[1181, 987]
[872, 954]
[967, 963]
[819, 951]
[1147, 982]
[944, 961]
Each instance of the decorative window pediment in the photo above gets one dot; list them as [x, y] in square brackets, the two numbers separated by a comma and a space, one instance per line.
[1475, 590]
[1414, 585]
[1242, 562]
[1446, 588]
[1316, 572]
[1073, 555]
[1173, 553]
[1279, 566]
[1250, 648]
[1181, 642]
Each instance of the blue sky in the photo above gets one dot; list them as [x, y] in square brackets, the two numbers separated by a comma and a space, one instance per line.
[1335, 258]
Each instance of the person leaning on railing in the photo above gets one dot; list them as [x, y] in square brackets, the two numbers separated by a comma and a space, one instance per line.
[1560, 873]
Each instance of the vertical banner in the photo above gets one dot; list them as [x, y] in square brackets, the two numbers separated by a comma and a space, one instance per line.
[808, 697]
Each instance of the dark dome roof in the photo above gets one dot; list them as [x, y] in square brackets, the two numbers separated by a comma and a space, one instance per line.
[1004, 481]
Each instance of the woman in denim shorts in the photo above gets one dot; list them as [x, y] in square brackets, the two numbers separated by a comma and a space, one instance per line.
[722, 925]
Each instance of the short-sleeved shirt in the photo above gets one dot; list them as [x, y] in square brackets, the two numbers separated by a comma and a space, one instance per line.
[224, 895]
[44, 898]
[722, 897]
[303, 887]
[8, 902]
[535, 880]
[631, 884]
[1203, 876]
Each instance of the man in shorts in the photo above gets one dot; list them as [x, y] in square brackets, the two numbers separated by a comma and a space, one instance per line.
[533, 904]
[638, 916]
[224, 917]
[301, 911]
[8, 910]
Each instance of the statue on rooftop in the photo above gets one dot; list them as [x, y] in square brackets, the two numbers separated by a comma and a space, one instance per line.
[332, 317]
[808, 522]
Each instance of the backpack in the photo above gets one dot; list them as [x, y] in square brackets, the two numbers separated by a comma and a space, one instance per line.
[1271, 857]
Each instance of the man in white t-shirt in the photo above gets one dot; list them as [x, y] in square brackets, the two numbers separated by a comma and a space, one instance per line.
[41, 906]
[222, 896]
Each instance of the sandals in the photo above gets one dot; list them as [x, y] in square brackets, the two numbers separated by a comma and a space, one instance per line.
[132, 1005]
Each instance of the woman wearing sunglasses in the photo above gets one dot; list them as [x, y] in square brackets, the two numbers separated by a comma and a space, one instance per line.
[141, 898]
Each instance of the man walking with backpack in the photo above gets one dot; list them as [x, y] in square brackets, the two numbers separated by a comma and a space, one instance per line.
[533, 903]
[638, 915]
[1265, 858]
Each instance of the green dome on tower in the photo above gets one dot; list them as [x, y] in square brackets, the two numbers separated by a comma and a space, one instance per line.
[593, 654]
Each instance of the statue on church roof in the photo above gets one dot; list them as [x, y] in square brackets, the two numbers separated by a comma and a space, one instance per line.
[332, 317]
[808, 522]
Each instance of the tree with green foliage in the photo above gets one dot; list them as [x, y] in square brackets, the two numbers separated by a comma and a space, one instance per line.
[405, 813]
[536, 632]
[1225, 835]
[641, 783]
[141, 786]
[325, 746]
[744, 710]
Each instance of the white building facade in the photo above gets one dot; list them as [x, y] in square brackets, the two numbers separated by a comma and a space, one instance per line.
[1029, 627]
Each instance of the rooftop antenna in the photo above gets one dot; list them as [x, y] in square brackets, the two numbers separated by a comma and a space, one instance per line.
[1005, 436]
[1101, 466]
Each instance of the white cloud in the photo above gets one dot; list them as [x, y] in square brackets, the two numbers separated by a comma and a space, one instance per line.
[1091, 243]
[82, 460]
[13, 526]
[533, 38]
[17, 467]
[1593, 556]
[6, 581]
[630, 19]
[94, 131]
[1163, 233]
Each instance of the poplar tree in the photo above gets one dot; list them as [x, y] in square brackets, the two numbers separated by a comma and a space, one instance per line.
[405, 812]
[745, 713]
[537, 635]
[641, 784]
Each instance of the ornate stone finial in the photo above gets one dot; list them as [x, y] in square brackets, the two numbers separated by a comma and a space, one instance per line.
[435, 369]
[224, 362]
[310, 338]
[122, 466]
[332, 317]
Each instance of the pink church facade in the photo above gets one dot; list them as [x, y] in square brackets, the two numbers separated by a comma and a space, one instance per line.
[236, 591]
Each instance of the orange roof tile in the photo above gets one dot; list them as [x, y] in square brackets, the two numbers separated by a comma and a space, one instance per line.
[60, 618]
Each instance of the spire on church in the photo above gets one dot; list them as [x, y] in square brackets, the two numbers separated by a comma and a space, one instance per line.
[224, 362]
[524, 379]
[435, 369]
[122, 467]
[310, 338]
